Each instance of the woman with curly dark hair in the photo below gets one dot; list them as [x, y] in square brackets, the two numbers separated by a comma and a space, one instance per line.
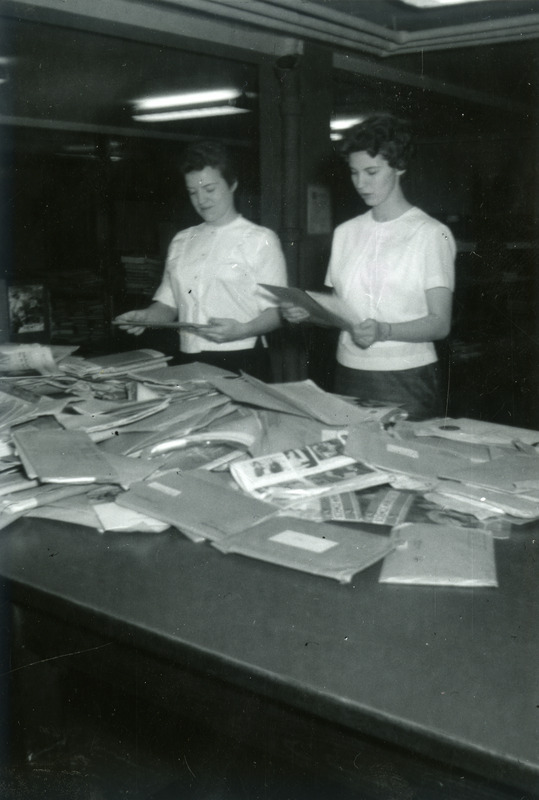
[395, 265]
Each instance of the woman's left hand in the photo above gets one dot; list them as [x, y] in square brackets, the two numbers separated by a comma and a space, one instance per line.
[365, 333]
[222, 329]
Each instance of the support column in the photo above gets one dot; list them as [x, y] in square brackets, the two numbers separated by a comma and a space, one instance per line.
[288, 72]
[6, 227]
[534, 345]
[305, 105]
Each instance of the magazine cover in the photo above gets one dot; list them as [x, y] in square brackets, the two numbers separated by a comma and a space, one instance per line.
[28, 312]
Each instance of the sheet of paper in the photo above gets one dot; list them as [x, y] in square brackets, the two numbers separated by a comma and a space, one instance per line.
[304, 398]
[173, 325]
[323, 308]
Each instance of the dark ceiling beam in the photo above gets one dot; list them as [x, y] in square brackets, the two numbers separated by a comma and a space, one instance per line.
[108, 130]
[382, 71]
[155, 22]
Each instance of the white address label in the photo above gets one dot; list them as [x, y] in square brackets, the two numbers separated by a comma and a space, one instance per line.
[303, 541]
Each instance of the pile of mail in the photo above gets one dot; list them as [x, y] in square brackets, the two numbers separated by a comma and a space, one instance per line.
[284, 473]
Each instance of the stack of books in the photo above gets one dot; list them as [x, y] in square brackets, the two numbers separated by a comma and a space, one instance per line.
[142, 274]
[78, 314]
[116, 365]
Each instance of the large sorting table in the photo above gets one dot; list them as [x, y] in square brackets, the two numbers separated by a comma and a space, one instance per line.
[445, 680]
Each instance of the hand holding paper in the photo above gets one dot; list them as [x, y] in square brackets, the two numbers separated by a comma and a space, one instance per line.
[133, 322]
[294, 314]
[157, 315]
[319, 307]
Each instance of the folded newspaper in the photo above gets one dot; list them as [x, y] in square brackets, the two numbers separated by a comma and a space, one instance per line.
[318, 469]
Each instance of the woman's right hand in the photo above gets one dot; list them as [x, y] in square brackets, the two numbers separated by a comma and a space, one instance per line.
[294, 314]
[134, 321]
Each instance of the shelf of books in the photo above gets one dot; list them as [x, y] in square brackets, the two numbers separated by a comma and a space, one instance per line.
[142, 274]
[80, 313]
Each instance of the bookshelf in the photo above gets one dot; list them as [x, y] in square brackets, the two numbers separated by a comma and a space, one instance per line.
[92, 230]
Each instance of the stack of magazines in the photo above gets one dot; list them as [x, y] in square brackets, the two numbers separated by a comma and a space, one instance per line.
[319, 469]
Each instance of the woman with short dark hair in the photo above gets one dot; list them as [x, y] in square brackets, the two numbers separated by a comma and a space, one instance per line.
[395, 265]
[213, 270]
[209, 153]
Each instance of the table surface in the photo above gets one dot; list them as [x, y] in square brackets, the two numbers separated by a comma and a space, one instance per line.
[446, 672]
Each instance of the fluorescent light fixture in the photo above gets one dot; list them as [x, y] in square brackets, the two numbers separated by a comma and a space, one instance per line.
[186, 99]
[437, 3]
[190, 113]
[342, 123]
[4, 64]
[336, 137]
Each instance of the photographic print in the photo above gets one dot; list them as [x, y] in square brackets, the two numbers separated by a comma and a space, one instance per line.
[375, 163]
[28, 312]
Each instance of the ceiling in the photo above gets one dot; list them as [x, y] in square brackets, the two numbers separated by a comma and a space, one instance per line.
[405, 21]
[61, 78]
[82, 81]
[380, 27]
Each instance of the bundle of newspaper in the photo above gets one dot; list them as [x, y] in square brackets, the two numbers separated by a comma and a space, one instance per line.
[115, 365]
[16, 359]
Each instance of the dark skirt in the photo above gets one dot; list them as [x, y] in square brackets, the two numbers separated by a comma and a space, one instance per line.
[416, 391]
[254, 361]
